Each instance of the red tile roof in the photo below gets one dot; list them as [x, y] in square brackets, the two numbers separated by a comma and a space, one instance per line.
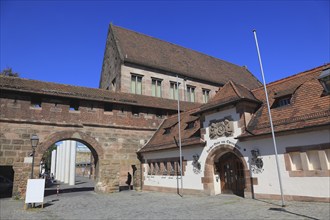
[189, 136]
[228, 94]
[308, 108]
[61, 90]
[148, 51]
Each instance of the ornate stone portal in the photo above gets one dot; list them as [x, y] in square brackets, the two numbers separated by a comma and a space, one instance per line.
[221, 128]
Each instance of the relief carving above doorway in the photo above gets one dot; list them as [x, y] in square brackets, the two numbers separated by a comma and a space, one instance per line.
[221, 128]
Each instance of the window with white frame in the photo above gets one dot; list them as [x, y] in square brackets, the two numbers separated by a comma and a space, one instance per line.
[173, 90]
[156, 87]
[136, 84]
[190, 94]
[206, 95]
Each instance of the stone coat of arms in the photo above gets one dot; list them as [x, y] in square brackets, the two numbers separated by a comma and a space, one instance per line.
[221, 128]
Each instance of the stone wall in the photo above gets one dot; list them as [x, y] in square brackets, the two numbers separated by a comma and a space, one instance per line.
[148, 74]
[113, 137]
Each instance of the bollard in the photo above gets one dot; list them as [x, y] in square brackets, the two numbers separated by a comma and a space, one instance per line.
[58, 190]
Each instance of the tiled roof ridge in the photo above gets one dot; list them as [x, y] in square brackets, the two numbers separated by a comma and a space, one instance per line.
[47, 82]
[171, 143]
[155, 38]
[6, 82]
[310, 116]
[292, 76]
[235, 89]
[121, 55]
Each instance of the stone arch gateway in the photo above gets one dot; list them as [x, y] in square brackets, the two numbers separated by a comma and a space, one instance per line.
[214, 156]
[113, 135]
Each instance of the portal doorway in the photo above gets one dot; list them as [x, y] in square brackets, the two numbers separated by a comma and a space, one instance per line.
[231, 172]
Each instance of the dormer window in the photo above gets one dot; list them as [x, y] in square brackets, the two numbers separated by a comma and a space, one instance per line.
[324, 79]
[167, 130]
[190, 125]
[282, 101]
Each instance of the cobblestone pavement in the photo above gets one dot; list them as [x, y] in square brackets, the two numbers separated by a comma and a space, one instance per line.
[154, 205]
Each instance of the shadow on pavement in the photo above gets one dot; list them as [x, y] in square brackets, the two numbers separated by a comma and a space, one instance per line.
[283, 210]
[49, 192]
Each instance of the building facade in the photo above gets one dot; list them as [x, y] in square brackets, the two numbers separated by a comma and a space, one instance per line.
[131, 127]
[227, 145]
[140, 64]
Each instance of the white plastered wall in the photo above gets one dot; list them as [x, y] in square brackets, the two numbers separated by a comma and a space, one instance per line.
[268, 181]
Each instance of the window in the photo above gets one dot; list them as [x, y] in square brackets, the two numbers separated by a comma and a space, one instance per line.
[324, 79]
[308, 161]
[36, 102]
[159, 113]
[108, 107]
[190, 94]
[206, 94]
[190, 125]
[172, 166]
[74, 106]
[135, 111]
[174, 90]
[167, 131]
[282, 101]
[136, 84]
[164, 168]
[156, 88]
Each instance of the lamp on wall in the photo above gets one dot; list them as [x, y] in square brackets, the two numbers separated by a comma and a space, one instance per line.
[34, 143]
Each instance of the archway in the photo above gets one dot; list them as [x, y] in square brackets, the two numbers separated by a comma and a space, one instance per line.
[220, 161]
[86, 169]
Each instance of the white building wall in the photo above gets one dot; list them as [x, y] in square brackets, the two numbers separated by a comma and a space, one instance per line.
[267, 178]
[268, 182]
[191, 180]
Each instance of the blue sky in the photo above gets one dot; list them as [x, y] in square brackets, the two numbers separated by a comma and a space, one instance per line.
[64, 41]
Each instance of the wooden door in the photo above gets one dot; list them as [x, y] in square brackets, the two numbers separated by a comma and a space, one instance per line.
[231, 174]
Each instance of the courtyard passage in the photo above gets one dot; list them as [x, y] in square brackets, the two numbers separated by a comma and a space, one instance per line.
[85, 204]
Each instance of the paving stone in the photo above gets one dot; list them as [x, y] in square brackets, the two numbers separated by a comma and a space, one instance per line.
[153, 205]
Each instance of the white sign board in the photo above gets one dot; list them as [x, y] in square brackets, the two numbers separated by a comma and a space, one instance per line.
[35, 191]
[27, 159]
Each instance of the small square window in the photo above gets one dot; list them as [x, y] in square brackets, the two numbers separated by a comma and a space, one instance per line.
[135, 111]
[74, 106]
[108, 107]
[36, 102]
[167, 131]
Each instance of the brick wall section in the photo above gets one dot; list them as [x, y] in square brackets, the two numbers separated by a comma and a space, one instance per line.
[113, 137]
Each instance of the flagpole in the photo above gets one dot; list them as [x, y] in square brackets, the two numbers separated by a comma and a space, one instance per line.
[177, 84]
[270, 118]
